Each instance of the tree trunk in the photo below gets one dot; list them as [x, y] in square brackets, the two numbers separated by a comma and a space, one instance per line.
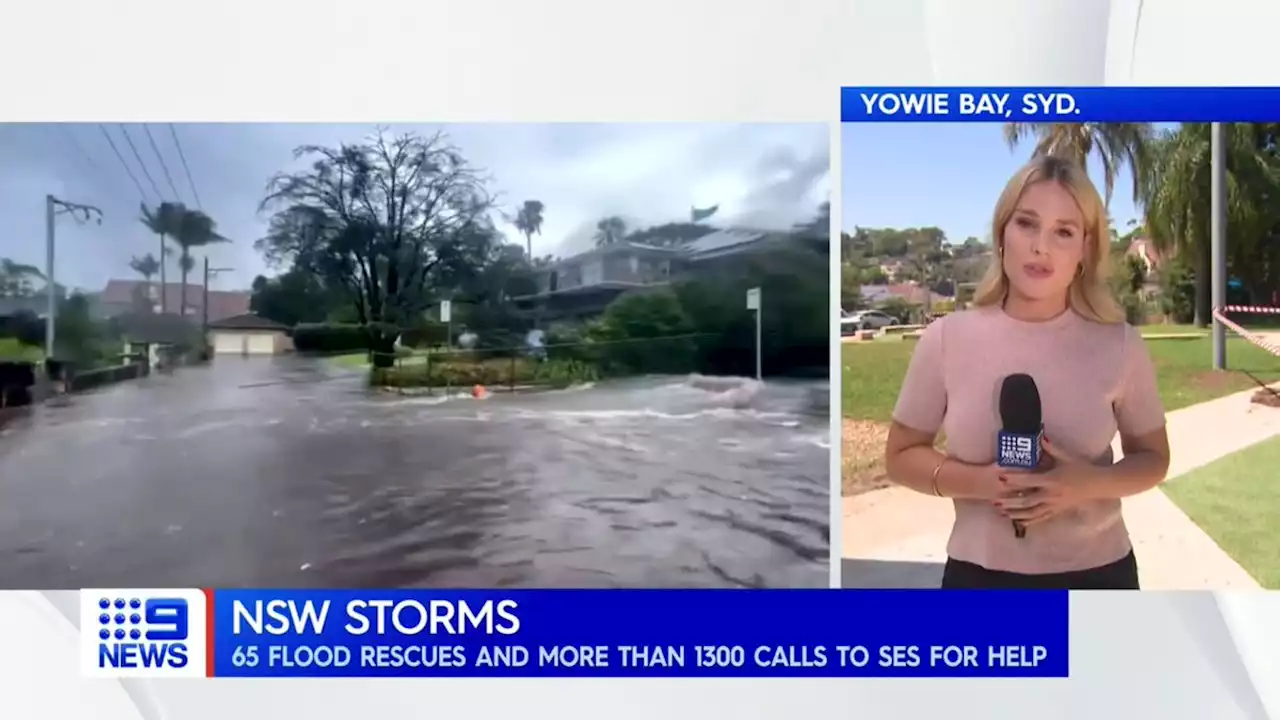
[382, 344]
[1204, 265]
[182, 303]
[528, 247]
[164, 306]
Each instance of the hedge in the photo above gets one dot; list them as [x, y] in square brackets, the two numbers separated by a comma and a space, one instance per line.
[330, 337]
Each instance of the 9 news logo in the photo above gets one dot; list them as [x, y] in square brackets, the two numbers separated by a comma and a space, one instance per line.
[1018, 451]
[143, 633]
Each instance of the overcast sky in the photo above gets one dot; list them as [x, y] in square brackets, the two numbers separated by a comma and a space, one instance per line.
[762, 175]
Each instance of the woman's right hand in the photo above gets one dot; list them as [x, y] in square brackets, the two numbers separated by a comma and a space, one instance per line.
[987, 482]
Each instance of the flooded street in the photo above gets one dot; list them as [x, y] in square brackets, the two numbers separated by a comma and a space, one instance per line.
[289, 472]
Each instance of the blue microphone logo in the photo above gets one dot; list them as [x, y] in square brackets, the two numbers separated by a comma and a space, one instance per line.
[1016, 450]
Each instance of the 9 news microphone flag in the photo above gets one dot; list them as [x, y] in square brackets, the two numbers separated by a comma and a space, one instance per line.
[572, 633]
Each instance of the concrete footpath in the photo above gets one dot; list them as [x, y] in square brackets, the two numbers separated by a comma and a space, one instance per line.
[897, 538]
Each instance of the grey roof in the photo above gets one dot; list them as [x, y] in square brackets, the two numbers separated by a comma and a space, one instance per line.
[725, 239]
[247, 321]
[875, 293]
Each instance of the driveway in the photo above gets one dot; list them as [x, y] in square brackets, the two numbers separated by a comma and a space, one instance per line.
[897, 538]
[289, 472]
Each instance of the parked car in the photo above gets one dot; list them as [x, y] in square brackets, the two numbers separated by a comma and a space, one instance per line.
[852, 322]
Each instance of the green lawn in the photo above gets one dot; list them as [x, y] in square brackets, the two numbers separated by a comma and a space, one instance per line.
[361, 360]
[1234, 500]
[872, 373]
[11, 350]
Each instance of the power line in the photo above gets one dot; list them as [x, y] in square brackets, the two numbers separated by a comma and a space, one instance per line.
[137, 156]
[79, 147]
[156, 149]
[174, 133]
[123, 164]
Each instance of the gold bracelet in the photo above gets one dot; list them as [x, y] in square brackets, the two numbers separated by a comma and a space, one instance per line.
[936, 472]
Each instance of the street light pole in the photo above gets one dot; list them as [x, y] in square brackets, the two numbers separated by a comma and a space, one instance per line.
[1218, 240]
[53, 207]
[204, 302]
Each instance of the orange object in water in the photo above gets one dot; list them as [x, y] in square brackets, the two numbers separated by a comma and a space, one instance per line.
[478, 392]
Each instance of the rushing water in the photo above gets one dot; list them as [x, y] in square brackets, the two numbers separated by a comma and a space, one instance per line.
[288, 472]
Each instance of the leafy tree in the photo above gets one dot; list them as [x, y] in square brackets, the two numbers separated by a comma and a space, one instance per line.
[850, 287]
[1177, 203]
[394, 222]
[1178, 291]
[610, 230]
[78, 335]
[483, 297]
[528, 221]
[294, 297]
[795, 318]
[1115, 144]
[655, 315]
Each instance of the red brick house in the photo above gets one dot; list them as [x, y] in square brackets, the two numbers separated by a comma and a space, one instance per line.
[122, 296]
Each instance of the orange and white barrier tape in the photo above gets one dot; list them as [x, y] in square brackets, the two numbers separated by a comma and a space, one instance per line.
[1254, 309]
[1258, 340]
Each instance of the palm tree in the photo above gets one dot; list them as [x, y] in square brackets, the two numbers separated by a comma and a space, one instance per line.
[610, 230]
[146, 266]
[164, 221]
[529, 222]
[1114, 144]
[195, 229]
[1177, 203]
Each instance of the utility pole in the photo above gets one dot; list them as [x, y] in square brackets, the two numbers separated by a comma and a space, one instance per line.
[1218, 240]
[53, 207]
[204, 302]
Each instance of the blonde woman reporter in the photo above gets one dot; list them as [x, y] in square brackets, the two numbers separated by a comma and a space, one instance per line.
[1044, 309]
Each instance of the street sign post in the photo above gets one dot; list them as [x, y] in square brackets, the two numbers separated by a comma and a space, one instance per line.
[446, 317]
[753, 304]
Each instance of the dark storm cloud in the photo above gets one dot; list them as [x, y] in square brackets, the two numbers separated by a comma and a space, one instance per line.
[763, 175]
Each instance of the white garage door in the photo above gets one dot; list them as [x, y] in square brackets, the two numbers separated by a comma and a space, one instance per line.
[262, 344]
[228, 342]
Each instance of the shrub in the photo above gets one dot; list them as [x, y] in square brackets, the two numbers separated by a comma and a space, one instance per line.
[1178, 291]
[331, 337]
[641, 333]
[424, 334]
[104, 376]
[462, 371]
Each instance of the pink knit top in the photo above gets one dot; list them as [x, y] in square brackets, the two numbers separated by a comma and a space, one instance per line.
[1094, 380]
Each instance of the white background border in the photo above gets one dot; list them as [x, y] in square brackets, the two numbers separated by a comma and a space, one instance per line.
[744, 60]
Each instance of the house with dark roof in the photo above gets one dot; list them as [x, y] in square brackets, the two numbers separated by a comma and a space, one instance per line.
[248, 334]
[121, 296]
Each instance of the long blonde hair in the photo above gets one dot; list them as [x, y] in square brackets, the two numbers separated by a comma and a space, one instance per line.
[1090, 296]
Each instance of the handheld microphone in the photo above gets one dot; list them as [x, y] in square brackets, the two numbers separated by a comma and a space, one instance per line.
[1018, 443]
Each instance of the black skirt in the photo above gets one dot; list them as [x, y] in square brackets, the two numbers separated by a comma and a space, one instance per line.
[1119, 575]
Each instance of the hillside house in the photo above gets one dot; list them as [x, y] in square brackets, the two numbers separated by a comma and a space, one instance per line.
[126, 296]
[582, 285]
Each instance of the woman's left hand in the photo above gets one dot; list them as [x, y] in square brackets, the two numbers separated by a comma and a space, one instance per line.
[1038, 496]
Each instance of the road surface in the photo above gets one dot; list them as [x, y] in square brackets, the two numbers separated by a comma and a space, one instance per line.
[289, 472]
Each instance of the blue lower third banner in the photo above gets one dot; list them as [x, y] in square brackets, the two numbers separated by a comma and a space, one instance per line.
[642, 633]
[1059, 104]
